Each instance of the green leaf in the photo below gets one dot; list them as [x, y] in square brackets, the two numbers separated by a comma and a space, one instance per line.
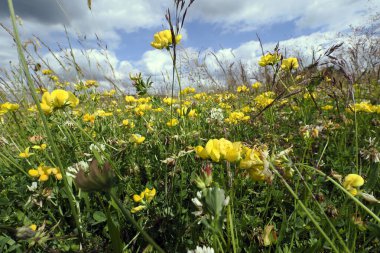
[116, 243]
[99, 217]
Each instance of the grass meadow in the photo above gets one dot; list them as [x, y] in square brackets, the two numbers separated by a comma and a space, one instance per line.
[288, 163]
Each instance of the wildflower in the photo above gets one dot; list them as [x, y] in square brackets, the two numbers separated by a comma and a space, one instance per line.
[269, 59]
[188, 90]
[138, 208]
[130, 99]
[163, 39]
[236, 117]
[169, 101]
[351, 182]
[173, 122]
[33, 227]
[97, 179]
[145, 197]
[327, 107]
[58, 99]
[90, 83]
[184, 111]
[202, 249]
[26, 153]
[256, 85]
[9, 107]
[40, 147]
[264, 99]
[242, 89]
[136, 138]
[47, 72]
[217, 149]
[89, 118]
[289, 63]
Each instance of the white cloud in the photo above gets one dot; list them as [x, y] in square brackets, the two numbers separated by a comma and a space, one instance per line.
[249, 15]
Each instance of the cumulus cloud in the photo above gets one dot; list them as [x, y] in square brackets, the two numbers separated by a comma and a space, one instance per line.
[246, 15]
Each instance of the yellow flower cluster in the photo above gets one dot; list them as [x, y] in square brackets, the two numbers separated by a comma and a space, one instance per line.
[43, 172]
[173, 122]
[58, 99]
[236, 117]
[169, 101]
[137, 138]
[256, 85]
[163, 39]
[89, 118]
[220, 149]
[255, 162]
[264, 99]
[242, 89]
[8, 107]
[144, 198]
[184, 111]
[351, 182]
[269, 59]
[364, 107]
[289, 64]
[188, 90]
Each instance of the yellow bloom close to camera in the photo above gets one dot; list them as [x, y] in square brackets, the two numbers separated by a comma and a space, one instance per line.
[289, 63]
[351, 182]
[163, 39]
[58, 99]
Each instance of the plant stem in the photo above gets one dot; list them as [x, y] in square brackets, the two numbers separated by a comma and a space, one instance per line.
[128, 215]
[74, 210]
[305, 209]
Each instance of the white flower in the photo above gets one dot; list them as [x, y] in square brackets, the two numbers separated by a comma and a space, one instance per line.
[196, 202]
[98, 147]
[203, 249]
[33, 187]
[73, 170]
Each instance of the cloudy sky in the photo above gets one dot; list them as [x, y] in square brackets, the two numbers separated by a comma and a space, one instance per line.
[126, 28]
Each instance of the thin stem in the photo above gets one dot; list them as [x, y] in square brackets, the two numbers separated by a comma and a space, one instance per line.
[128, 215]
[345, 191]
[305, 209]
[74, 210]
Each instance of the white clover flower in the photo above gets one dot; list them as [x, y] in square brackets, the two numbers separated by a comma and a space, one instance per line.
[203, 249]
[99, 147]
[74, 169]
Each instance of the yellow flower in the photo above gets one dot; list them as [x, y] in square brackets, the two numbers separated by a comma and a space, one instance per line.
[57, 99]
[351, 182]
[89, 118]
[136, 138]
[43, 178]
[33, 173]
[289, 63]
[137, 198]
[163, 39]
[242, 89]
[172, 122]
[327, 107]
[269, 59]
[256, 85]
[169, 101]
[130, 99]
[213, 149]
[9, 107]
[47, 72]
[149, 194]
[40, 147]
[25, 154]
[33, 227]
[138, 208]
[90, 83]
[201, 152]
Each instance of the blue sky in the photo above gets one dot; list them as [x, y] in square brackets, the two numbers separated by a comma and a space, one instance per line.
[228, 28]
